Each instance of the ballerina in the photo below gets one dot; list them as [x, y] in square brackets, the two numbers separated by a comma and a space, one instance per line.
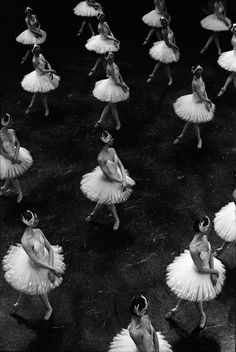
[34, 267]
[109, 183]
[152, 19]
[111, 90]
[194, 108]
[87, 9]
[103, 42]
[216, 22]
[164, 51]
[140, 335]
[195, 275]
[14, 160]
[227, 60]
[33, 35]
[41, 81]
[225, 224]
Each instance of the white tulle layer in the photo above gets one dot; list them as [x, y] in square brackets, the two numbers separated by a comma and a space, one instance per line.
[83, 9]
[98, 188]
[10, 170]
[100, 45]
[227, 60]
[28, 38]
[24, 276]
[187, 283]
[122, 342]
[212, 23]
[225, 222]
[35, 82]
[107, 90]
[188, 109]
[161, 52]
[152, 19]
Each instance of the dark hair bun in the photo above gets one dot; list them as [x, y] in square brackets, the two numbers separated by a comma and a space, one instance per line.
[137, 300]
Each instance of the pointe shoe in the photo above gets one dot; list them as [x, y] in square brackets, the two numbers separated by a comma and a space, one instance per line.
[219, 52]
[203, 49]
[118, 126]
[170, 314]
[48, 314]
[145, 41]
[97, 124]
[202, 322]
[47, 113]
[177, 140]
[13, 308]
[170, 82]
[79, 33]
[19, 198]
[116, 225]
[28, 110]
[89, 218]
[150, 78]
[199, 145]
[221, 92]
[91, 72]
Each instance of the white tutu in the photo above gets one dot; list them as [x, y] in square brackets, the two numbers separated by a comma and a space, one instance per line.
[8, 169]
[225, 222]
[212, 23]
[227, 60]
[153, 19]
[29, 38]
[25, 276]
[161, 52]
[34, 82]
[122, 342]
[101, 45]
[190, 109]
[187, 283]
[83, 9]
[96, 186]
[107, 90]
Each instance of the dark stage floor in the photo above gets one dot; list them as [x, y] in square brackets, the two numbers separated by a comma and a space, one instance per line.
[174, 185]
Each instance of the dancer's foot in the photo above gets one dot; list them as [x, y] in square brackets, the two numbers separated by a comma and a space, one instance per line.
[92, 72]
[170, 82]
[145, 41]
[13, 308]
[47, 112]
[48, 314]
[217, 252]
[199, 145]
[177, 140]
[93, 34]
[19, 198]
[170, 314]
[118, 126]
[98, 124]
[219, 52]
[28, 110]
[221, 92]
[89, 218]
[150, 78]
[116, 225]
[203, 49]
[202, 322]
[80, 32]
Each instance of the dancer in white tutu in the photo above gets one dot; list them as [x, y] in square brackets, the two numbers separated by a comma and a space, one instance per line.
[216, 22]
[194, 108]
[103, 42]
[33, 35]
[152, 19]
[164, 51]
[14, 160]
[111, 90]
[227, 61]
[109, 183]
[140, 335]
[195, 275]
[34, 267]
[87, 9]
[225, 224]
[41, 81]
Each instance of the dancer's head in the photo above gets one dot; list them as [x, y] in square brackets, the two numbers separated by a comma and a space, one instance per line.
[110, 57]
[105, 138]
[28, 10]
[233, 28]
[6, 120]
[29, 218]
[101, 17]
[138, 306]
[36, 49]
[164, 22]
[197, 70]
[202, 224]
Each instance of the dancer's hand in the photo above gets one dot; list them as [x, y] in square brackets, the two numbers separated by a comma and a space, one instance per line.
[125, 88]
[215, 272]
[15, 161]
[214, 279]
[56, 272]
[52, 71]
[51, 276]
[208, 105]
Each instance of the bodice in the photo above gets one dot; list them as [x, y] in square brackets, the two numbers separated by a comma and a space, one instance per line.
[219, 7]
[8, 143]
[103, 28]
[39, 249]
[205, 258]
[201, 86]
[115, 70]
[33, 22]
[41, 64]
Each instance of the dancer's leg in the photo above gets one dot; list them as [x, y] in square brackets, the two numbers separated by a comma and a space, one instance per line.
[227, 82]
[18, 189]
[95, 66]
[151, 76]
[105, 111]
[115, 115]
[202, 322]
[112, 209]
[197, 131]
[44, 97]
[217, 42]
[182, 134]
[91, 28]
[34, 97]
[210, 40]
[168, 72]
[45, 300]
[149, 36]
[82, 27]
[16, 304]
[174, 310]
[90, 217]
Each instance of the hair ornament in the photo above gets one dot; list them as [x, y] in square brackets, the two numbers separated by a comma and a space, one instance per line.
[34, 47]
[29, 222]
[105, 137]
[233, 27]
[195, 69]
[164, 19]
[6, 119]
[202, 226]
[28, 8]
[138, 312]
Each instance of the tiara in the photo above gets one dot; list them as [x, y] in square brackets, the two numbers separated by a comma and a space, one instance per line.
[202, 227]
[105, 137]
[28, 222]
[195, 69]
[6, 119]
[138, 312]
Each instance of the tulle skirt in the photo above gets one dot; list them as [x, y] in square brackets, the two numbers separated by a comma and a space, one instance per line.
[187, 283]
[10, 170]
[101, 45]
[122, 342]
[161, 52]
[29, 38]
[96, 186]
[227, 60]
[225, 222]
[25, 276]
[212, 23]
[35, 82]
[107, 90]
[153, 19]
[188, 109]
[83, 9]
